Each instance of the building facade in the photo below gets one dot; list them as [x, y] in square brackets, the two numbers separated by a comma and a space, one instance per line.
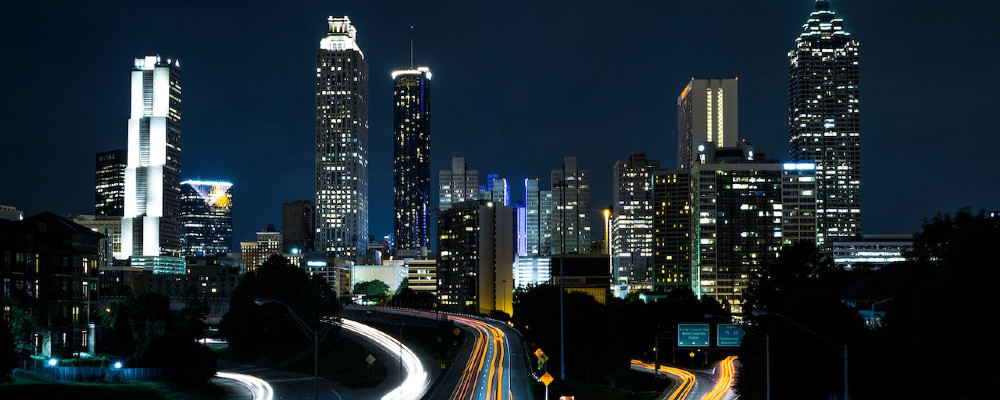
[570, 217]
[341, 142]
[269, 243]
[457, 184]
[537, 219]
[475, 268]
[739, 206]
[707, 111]
[297, 226]
[151, 234]
[673, 229]
[411, 164]
[54, 263]
[825, 121]
[109, 183]
[871, 251]
[631, 222]
[206, 218]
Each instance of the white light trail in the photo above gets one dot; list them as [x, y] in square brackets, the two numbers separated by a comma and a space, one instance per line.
[417, 380]
[260, 389]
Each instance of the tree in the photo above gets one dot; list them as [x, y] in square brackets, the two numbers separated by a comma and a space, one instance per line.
[8, 352]
[20, 317]
[142, 328]
[942, 303]
[256, 330]
[412, 299]
[371, 288]
[802, 285]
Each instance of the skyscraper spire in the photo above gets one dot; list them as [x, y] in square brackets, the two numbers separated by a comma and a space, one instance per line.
[825, 121]
[411, 46]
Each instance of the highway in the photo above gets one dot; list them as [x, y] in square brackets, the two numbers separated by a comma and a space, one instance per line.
[417, 380]
[696, 384]
[496, 368]
[252, 386]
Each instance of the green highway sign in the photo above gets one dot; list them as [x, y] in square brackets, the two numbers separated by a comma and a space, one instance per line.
[728, 335]
[692, 335]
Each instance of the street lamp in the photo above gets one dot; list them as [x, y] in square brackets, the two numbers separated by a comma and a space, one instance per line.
[311, 334]
[758, 313]
[562, 274]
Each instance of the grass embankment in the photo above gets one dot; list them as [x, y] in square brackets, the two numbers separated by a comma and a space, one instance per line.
[25, 388]
[425, 339]
[340, 360]
[633, 386]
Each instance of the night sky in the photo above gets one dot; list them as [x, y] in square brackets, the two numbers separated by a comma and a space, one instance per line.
[517, 86]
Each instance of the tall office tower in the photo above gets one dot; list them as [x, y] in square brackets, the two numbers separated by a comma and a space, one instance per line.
[499, 190]
[411, 164]
[297, 227]
[206, 218]
[341, 142]
[457, 184]
[476, 265]
[538, 218]
[824, 121]
[632, 220]
[109, 184]
[673, 228]
[570, 209]
[707, 111]
[151, 233]
[739, 210]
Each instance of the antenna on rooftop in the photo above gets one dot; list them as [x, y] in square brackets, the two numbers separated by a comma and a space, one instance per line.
[411, 46]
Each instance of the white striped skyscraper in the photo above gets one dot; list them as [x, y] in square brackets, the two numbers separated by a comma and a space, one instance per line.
[341, 142]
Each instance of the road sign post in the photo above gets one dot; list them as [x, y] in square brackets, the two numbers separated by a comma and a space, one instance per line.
[546, 379]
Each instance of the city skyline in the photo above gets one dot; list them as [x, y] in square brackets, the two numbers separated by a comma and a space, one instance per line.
[521, 121]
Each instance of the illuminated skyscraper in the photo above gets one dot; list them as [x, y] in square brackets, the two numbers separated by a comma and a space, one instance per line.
[739, 207]
[109, 184]
[499, 190]
[707, 111]
[825, 122]
[411, 164]
[457, 184]
[341, 142]
[673, 229]
[476, 267]
[151, 224]
[206, 218]
[632, 224]
[538, 219]
[570, 209]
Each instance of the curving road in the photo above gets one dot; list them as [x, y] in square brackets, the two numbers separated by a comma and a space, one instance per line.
[496, 368]
[685, 380]
[688, 384]
[417, 380]
[254, 387]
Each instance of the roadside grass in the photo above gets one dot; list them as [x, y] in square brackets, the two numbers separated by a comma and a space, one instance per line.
[632, 386]
[26, 388]
[340, 360]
